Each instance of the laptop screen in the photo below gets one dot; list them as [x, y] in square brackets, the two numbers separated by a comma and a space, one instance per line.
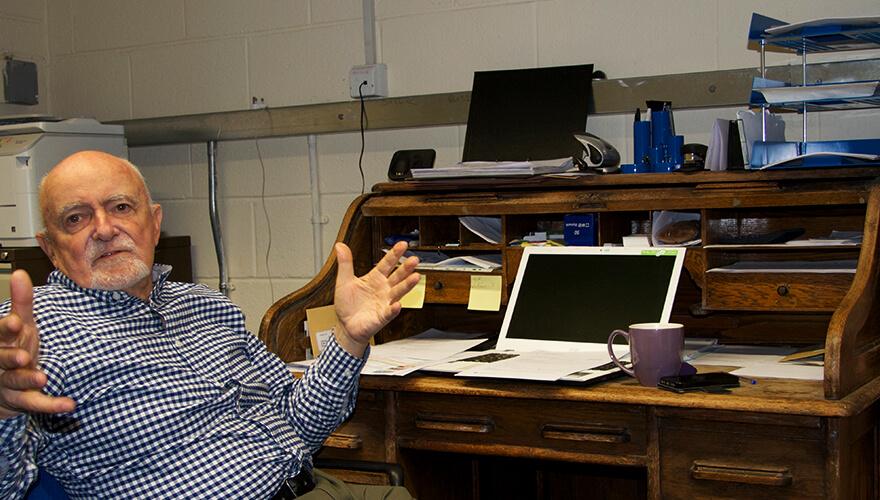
[572, 298]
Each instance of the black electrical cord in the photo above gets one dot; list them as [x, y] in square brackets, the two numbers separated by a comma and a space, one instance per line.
[266, 215]
[363, 140]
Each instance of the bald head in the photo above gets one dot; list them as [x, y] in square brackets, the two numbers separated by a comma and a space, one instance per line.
[86, 160]
[100, 227]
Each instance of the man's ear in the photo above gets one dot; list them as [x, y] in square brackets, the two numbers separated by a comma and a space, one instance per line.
[157, 221]
[46, 245]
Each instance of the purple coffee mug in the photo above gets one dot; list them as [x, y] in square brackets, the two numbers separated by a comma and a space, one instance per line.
[656, 349]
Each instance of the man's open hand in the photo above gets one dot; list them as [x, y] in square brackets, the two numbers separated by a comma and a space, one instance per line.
[365, 304]
[20, 381]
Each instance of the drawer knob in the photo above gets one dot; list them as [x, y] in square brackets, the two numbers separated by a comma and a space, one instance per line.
[782, 290]
[438, 285]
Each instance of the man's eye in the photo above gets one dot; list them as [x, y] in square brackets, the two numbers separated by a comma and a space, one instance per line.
[122, 207]
[73, 219]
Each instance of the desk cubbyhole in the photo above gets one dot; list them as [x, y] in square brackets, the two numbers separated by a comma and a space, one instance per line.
[438, 232]
[518, 227]
[386, 227]
[613, 226]
[817, 222]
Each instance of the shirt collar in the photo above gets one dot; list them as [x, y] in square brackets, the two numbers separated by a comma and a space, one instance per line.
[160, 275]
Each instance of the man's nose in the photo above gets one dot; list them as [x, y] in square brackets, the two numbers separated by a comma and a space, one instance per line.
[104, 228]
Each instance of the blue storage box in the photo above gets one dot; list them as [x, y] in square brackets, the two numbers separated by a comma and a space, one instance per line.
[580, 230]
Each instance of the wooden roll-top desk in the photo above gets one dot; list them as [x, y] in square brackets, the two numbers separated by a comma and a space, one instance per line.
[478, 438]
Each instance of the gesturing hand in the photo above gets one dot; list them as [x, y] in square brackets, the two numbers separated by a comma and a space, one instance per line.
[366, 304]
[20, 381]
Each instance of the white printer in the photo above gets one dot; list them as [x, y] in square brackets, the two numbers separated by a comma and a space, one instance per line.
[28, 151]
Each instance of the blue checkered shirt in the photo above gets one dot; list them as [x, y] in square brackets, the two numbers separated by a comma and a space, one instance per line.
[175, 399]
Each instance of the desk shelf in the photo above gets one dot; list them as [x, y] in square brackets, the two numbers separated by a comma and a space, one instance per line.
[820, 36]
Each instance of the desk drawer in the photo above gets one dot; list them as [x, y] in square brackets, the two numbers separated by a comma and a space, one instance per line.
[728, 460]
[776, 291]
[557, 430]
[362, 436]
[453, 287]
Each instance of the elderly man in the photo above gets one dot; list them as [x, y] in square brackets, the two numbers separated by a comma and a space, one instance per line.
[124, 385]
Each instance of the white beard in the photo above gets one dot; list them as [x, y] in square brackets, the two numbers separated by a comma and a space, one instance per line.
[122, 274]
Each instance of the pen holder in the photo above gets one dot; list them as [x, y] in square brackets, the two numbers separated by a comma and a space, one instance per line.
[658, 158]
[641, 142]
[675, 150]
[637, 168]
[661, 128]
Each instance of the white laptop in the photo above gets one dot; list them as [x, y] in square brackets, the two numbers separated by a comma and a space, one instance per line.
[572, 298]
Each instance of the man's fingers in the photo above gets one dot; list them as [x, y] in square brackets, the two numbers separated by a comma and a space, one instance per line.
[22, 379]
[390, 260]
[12, 358]
[37, 402]
[403, 271]
[344, 261]
[10, 327]
[22, 294]
[404, 287]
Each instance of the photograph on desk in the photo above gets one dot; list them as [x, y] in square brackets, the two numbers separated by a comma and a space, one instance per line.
[565, 303]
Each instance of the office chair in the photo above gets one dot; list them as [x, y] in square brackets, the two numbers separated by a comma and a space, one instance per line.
[361, 471]
[48, 488]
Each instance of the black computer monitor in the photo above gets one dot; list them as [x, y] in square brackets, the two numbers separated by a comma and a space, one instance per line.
[527, 114]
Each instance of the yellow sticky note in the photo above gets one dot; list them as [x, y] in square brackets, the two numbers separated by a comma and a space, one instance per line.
[415, 299]
[485, 293]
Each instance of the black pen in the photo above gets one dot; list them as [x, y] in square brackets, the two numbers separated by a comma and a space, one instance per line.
[638, 114]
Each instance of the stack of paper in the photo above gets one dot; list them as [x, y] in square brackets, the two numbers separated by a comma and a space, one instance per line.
[442, 262]
[465, 263]
[488, 228]
[495, 169]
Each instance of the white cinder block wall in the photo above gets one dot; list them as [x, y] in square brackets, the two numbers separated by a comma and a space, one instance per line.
[127, 59]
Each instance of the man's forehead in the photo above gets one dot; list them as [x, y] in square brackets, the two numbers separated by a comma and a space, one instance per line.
[92, 186]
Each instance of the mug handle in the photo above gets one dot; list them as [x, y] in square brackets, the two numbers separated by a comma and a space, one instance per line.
[625, 334]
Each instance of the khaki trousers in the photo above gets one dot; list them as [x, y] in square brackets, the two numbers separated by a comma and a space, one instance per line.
[328, 487]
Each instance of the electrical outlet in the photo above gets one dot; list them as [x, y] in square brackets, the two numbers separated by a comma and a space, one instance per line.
[368, 81]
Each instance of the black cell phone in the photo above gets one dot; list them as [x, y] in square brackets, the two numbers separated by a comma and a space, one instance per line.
[707, 382]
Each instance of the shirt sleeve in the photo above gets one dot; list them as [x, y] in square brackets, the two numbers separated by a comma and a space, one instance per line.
[327, 393]
[17, 468]
[318, 402]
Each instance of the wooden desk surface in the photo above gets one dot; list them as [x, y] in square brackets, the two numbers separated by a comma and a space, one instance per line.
[768, 395]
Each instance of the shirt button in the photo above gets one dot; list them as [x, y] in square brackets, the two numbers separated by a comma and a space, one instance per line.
[178, 343]
[347, 373]
[116, 296]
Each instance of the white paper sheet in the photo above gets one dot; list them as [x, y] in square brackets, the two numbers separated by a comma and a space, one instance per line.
[539, 365]
[854, 90]
[405, 356]
[782, 370]
[739, 355]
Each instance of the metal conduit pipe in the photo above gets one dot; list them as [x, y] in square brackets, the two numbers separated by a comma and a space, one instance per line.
[369, 32]
[215, 217]
[317, 219]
